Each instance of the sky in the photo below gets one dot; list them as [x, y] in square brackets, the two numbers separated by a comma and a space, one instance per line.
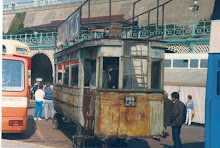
[17, 1]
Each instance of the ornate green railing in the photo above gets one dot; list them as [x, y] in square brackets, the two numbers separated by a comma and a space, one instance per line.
[142, 32]
[40, 3]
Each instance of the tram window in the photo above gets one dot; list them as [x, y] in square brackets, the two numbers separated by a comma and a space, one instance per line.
[12, 75]
[74, 76]
[218, 83]
[3, 49]
[110, 72]
[66, 76]
[204, 63]
[21, 51]
[155, 74]
[55, 79]
[194, 63]
[135, 73]
[59, 77]
[180, 63]
[89, 70]
[167, 63]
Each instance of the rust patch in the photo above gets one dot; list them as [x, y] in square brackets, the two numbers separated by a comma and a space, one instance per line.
[115, 120]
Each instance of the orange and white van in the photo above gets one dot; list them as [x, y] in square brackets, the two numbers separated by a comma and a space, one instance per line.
[16, 66]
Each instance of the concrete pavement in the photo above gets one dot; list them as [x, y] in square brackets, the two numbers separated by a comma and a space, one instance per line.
[41, 133]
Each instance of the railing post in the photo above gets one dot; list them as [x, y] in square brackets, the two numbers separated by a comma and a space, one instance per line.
[191, 47]
[25, 38]
[10, 36]
[41, 38]
[193, 31]
[52, 37]
[165, 30]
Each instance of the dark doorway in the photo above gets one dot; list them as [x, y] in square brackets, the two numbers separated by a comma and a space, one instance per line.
[41, 67]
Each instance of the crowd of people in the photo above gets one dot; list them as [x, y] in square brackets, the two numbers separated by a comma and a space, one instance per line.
[44, 100]
[176, 113]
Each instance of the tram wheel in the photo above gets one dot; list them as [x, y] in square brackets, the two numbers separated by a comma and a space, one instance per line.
[79, 132]
[57, 121]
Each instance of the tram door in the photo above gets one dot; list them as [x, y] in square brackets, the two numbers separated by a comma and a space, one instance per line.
[212, 123]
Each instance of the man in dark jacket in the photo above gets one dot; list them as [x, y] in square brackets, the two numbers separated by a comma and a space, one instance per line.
[178, 118]
[168, 108]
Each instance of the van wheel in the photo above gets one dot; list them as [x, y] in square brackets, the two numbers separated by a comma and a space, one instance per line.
[57, 121]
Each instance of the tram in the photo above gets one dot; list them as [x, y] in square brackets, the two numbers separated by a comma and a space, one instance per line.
[16, 82]
[212, 109]
[111, 88]
[110, 81]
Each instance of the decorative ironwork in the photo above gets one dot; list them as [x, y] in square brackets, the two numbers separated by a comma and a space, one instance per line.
[141, 32]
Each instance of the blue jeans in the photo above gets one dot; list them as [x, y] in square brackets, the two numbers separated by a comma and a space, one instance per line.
[176, 136]
[38, 108]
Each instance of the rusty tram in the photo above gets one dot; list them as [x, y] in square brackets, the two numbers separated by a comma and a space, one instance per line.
[110, 86]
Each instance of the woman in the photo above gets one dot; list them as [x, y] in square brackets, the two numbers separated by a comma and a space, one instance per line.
[189, 108]
[39, 97]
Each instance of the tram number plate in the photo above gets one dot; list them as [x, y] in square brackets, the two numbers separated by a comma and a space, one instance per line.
[130, 101]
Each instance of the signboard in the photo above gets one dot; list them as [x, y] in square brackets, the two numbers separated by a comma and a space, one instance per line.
[130, 101]
[69, 29]
[39, 79]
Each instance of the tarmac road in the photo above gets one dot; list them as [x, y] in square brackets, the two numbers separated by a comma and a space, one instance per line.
[41, 134]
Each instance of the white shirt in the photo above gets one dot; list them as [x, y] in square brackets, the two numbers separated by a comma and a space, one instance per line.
[39, 95]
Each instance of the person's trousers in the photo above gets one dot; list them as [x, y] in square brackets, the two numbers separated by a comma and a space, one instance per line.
[188, 116]
[38, 108]
[48, 103]
[176, 136]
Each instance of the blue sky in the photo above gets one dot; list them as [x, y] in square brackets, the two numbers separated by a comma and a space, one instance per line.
[17, 1]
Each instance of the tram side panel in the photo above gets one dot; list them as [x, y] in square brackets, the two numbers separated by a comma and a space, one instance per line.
[114, 119]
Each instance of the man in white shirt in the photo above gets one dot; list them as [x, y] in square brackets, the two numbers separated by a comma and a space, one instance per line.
[39, 97]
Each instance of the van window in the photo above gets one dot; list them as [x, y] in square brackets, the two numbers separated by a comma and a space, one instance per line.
[180, 63]
[12, 75]
[194, 63]
[21, 51]
[204, 63]
[3, 49]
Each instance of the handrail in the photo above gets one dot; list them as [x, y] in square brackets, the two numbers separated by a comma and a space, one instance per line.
[141, 32]
[14, 6]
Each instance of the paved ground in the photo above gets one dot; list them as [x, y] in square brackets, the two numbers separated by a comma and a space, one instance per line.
[40, 133]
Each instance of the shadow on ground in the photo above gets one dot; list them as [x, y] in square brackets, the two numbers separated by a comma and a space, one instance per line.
[189, 145]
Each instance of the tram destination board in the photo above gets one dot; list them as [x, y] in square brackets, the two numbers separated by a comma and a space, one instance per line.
[130, 101]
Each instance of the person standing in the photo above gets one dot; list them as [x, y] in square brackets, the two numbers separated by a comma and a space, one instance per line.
[178, 118]
[39, 97]
[189, 108]
[48, 101]
[168, 107]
